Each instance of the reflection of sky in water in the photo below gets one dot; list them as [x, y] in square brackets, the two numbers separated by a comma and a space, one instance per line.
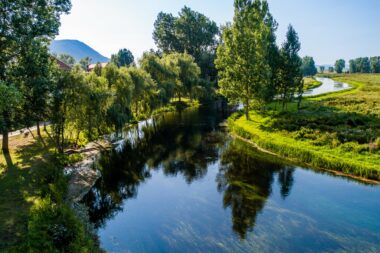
[200, 195]
[321, 213]
[328, 85]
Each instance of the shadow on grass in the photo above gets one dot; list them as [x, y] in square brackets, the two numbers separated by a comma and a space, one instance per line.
[18, 189]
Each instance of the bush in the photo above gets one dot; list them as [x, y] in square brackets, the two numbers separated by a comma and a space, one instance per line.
[54, 228]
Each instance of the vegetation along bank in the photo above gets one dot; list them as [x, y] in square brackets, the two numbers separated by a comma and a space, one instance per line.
[336, 131]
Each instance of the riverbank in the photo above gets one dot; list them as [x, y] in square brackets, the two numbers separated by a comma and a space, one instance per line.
[338, 131]
[311, 83]
[33, 172]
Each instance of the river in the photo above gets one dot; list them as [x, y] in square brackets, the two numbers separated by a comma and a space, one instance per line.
[181, 184]
[328, 85]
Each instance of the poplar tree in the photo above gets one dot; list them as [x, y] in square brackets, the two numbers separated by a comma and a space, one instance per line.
[243, 57]
[290, 70]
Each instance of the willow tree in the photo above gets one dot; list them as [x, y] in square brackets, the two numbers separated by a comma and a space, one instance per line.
[186, 72]
[243, 57]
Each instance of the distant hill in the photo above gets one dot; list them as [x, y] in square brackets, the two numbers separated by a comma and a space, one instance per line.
[76, 49]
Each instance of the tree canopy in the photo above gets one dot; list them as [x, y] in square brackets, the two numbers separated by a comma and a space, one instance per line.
[123, 58]
[340, 65]
[243, 56]
[308, 66]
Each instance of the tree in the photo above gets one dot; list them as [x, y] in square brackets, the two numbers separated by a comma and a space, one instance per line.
[375, 64]
[290, 69]
[321, 69]
[164, 34]
[340, 65]
[186, 73]
[98, 69]
[190, 32]
[353, 67]
[365, 66]
[66, 58]
[123, 58]
[143, 90]
[34, 79]
[10, 100]
[308, 66]
[22, 24]
[162, 73]
[243, 56]
[331, 69]
[85, 62]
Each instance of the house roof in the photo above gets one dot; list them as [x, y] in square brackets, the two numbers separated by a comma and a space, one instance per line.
[92, 66]
[62, 65]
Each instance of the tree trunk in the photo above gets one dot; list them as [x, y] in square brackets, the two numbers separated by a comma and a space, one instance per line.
[5, 142]
[38, 129]
[5, 145]
[247, 109]
[179, 96]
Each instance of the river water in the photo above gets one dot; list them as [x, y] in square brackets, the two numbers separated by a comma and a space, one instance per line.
[181, 184]
[328, 85]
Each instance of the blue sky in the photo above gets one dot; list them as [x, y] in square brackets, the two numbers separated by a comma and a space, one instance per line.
[328, 29]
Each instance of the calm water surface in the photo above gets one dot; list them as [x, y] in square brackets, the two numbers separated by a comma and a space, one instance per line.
[328, 85]
[180, 184]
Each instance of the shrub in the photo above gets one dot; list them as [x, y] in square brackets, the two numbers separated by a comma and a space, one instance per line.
[54, 228]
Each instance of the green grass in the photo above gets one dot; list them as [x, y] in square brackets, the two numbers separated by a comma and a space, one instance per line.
[311, 83]
[338, 131]
[19, 185]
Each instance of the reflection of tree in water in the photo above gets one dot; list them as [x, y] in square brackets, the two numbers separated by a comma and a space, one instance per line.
[174, 144]
[246, 178]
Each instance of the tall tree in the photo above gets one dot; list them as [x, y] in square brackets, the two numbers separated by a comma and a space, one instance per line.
[322, 69]
[340, 65]
[353, 67]
[243, 56]
[291, 72]
[190, 32]
[308, 66]
[375, 64]
[34, 79]
[22, 23]
[123, 58]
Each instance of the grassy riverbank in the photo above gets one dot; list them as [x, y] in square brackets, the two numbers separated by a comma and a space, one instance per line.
[338, 131]
[311, 83]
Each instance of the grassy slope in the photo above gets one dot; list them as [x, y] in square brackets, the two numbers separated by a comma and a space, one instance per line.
[335, 131]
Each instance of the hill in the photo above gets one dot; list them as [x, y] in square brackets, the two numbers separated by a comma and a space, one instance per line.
[76, 49]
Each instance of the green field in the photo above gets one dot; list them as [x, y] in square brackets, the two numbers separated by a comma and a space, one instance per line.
[338, 131]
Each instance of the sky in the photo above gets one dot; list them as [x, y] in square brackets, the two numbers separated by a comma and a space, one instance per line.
[328, 29]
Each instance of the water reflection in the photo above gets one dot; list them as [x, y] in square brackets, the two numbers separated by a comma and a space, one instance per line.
[170, 143]
[245, 178]
[197, 190]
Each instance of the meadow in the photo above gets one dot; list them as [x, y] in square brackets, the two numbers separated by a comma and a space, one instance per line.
[338, 131]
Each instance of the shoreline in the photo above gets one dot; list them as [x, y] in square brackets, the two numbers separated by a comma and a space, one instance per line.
[349, 164]
[296, 161]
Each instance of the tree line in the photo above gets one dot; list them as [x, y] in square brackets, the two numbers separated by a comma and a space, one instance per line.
[82, 106]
